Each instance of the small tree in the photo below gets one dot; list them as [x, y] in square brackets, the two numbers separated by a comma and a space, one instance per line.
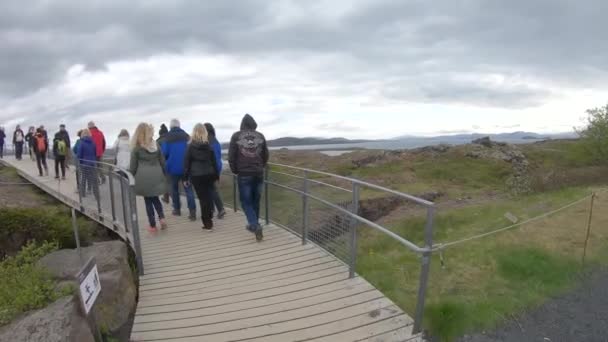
[595, 135]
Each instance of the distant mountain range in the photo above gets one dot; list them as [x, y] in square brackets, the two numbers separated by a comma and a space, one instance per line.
[410, 141]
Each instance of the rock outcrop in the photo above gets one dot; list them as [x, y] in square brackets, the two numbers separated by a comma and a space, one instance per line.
[61, 321]
[117, 300]
[519, 182]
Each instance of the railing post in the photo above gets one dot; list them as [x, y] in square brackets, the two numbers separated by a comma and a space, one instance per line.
[79, 185]
[352, 266]
[425, 269]
[266, 195]
[135, 229]
[234, 185]
[112, 201]
[305, 209]
[124, 184]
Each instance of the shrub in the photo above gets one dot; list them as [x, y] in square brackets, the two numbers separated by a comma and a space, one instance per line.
[26, 286]
[20, 225]
[595, 135]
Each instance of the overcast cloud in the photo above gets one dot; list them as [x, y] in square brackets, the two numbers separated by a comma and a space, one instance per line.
[369, 68]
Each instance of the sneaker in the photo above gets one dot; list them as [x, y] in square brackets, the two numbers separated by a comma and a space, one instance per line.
[259, 235]
[192, 216]
[250, 228]
[57, 177]
[152, 229]
[163, 224]
[177, 212]
[221, 214]
[63, 178]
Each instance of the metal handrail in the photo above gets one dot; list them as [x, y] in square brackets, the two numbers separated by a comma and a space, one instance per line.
[414, 199]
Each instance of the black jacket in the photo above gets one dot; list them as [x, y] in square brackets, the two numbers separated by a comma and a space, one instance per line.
[200, 161]
[29, 137]
[248, 154]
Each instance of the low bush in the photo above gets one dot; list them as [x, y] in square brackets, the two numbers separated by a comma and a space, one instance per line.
[24, 286]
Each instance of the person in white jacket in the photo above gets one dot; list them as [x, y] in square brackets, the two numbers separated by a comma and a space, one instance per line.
[122, 148]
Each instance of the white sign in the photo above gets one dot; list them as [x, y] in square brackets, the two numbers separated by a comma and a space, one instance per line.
[90, 286]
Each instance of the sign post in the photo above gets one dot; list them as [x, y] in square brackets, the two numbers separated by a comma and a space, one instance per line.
[89, 289]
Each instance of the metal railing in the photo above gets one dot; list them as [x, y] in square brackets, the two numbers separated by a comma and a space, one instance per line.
[327, 210]
[104, 193]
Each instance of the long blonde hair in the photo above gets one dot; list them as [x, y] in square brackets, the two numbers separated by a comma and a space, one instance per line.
[199, 134]
[85, 133]
[143, 136]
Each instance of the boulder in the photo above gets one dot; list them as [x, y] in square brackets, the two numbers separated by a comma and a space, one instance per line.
[117, 300]
[61, 321]
[485, 141]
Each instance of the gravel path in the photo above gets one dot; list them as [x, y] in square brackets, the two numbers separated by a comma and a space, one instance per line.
[579, 316]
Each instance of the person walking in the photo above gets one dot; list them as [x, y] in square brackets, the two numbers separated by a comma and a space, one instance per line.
[41, 147]
[122, 149]
[2, 137]
[162, 136]
[100, 145]
[174, 150]
[148, 167]
[18, 139]
[65, 136]
[217, 149]
[200, 169]
[60, 152]
[87, 159]
[29, 139]
[248, 157]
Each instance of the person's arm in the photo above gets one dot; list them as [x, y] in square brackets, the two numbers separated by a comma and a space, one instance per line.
[103, 143]
[162, 161]
[215, 165]
[265, 153]
[133, 165]
[233, 154]
[55, 141]
[79, 152]
[187, 164]
[218, 156]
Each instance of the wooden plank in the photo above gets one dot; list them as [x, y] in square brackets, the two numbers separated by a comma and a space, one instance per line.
[203, 301]
[247, 280]
[382, 331]
[305, 297]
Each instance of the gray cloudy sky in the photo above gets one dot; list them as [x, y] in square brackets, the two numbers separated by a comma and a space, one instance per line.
[368, 68]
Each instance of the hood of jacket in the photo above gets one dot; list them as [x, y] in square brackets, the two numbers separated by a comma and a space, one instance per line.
[147, 153]
[248, 123]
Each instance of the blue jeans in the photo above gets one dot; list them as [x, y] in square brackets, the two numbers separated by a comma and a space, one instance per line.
[153, 204]
[250, 190]
[177, 203]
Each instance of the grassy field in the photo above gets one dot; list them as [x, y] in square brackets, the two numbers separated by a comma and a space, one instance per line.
[482, 282]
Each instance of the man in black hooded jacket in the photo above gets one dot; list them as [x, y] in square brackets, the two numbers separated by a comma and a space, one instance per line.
[248, 156]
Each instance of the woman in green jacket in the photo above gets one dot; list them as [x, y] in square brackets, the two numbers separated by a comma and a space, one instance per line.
[148, 167]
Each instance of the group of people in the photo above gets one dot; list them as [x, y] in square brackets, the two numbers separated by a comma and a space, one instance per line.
[37, 143]
[176, 160]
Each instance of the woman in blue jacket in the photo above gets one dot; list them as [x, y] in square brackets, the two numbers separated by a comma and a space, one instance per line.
[87, 157]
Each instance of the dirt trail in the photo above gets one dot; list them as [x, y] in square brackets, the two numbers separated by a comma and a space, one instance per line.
[578, 316]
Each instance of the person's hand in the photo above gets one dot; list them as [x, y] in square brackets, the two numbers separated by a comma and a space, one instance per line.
[186, 184]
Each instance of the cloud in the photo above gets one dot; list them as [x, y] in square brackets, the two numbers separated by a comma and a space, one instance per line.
[298, 66]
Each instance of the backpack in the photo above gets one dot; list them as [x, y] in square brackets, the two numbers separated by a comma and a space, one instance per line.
[62, 148]
[40, 144]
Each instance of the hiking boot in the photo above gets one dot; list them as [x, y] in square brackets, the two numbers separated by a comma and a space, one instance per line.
[259, 235]
[177, 212]
[57, 177]
[221, 214]
[63, 178]
[250, 229]
[163, 224]
[192, 216]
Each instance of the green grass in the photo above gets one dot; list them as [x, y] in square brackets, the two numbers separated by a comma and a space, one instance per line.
[25, 286]
[487, 280]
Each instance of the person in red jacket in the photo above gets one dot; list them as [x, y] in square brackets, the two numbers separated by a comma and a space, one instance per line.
[100, 144]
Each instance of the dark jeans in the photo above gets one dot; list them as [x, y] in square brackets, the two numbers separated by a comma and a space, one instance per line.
[152, 204]
[217, 199]
[204, 190]
[177, 203]
[41, 162]
[89, 179]
[60, 161]
[1, 150]
[18, 150]
[250, 190]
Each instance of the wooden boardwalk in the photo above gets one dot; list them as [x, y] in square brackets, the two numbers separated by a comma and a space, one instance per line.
[224, 286]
